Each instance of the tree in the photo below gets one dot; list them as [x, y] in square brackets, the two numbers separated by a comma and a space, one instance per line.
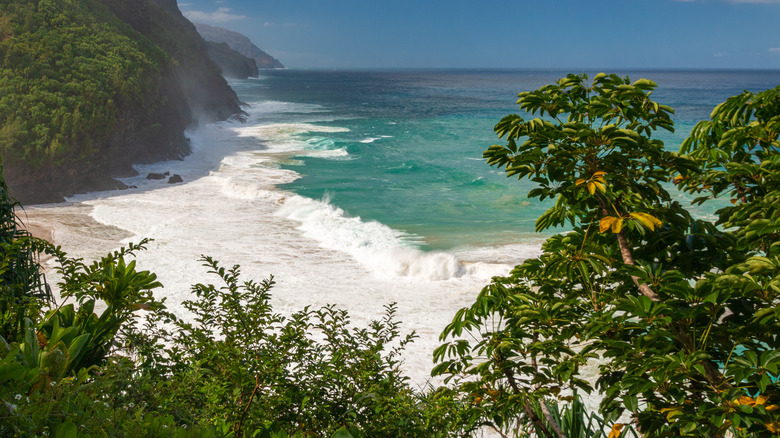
[681, 315]
[23, 292]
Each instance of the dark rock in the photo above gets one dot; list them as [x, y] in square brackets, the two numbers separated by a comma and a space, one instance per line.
[175, 179]
[153, 175]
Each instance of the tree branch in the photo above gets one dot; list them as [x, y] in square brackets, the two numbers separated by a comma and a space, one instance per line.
[625, 252]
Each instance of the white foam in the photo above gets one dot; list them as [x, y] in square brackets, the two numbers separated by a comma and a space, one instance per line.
[384, 251]
[283, 130]
[287, 137]
[373, 139]
[229, 208]
[340, 153]
[271, 107]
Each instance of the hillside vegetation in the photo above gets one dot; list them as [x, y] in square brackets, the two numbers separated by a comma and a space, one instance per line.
[89, 87]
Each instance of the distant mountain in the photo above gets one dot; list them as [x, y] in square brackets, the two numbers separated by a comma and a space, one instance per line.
[238, 42]
[233, 64]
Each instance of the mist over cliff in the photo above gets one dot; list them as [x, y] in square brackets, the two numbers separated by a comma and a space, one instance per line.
[90, 87]
[233, 64]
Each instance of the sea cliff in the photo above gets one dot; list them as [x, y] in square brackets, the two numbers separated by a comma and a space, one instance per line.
[90, 87]
[239, 43]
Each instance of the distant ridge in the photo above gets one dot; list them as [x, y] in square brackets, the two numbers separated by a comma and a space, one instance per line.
[238, 42]
[232, 63]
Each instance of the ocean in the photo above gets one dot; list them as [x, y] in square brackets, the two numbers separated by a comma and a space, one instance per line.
[354, 188]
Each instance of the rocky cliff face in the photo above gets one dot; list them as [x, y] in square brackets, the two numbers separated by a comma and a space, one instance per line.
[208, 94]
[239, 43]
[233, 64]
[143, 133]
[182, 87]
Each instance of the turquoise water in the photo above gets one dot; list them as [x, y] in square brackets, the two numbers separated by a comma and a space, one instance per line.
[410, 143]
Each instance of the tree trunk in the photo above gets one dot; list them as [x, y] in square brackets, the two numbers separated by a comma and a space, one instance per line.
[628, 259]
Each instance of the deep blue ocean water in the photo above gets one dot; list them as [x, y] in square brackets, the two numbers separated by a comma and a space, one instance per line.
[404, 148]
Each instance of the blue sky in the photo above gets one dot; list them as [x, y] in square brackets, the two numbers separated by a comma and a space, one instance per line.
[734, 34]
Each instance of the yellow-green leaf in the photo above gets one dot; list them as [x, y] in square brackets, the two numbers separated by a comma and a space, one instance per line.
[617, 225]
[647, 220]
[606, 223]
[615, 432]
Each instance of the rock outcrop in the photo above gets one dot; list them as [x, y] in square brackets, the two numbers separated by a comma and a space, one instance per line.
[207, 93]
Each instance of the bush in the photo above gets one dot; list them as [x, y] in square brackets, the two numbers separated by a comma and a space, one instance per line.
[682, 314]
[236, 369]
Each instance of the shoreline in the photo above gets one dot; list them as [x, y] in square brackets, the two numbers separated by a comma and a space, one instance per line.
[228, 208]
[71, 226]
[41, 231]
[230, 213]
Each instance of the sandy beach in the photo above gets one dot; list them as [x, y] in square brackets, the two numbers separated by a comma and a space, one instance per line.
[69, 225]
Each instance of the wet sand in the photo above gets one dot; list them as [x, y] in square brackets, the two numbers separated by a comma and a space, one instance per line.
[70, 226]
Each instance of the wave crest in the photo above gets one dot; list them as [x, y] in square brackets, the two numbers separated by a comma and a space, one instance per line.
[378, 247]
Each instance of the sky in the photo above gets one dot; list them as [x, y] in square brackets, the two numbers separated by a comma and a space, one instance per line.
[534, 34]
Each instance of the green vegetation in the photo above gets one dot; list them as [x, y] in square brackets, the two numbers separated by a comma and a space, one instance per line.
[681, 314]
[67, 69]
[235, 369]
[24, 292]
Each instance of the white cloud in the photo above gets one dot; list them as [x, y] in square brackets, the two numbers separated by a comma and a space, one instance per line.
[221, 15]
[775, 50]
[720, 54]
[282, 24]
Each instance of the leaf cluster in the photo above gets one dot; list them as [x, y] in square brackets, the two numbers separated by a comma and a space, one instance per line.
[679, 315]
[67, 69]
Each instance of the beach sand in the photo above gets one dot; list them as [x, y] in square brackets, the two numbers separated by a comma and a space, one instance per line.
[70, 225]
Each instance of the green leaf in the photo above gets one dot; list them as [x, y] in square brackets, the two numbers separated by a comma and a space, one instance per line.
[342, 432]
[66, 430]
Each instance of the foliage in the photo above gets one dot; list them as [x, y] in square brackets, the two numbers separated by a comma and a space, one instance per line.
[681, 314]
[22, 291]
[309, 374]
[237, 368]
[575, 421]
[66, 69]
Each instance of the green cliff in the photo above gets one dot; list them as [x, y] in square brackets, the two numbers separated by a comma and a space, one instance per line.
[89, 87]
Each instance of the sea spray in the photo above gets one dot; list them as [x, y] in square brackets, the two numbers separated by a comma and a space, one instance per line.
[385, 251]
